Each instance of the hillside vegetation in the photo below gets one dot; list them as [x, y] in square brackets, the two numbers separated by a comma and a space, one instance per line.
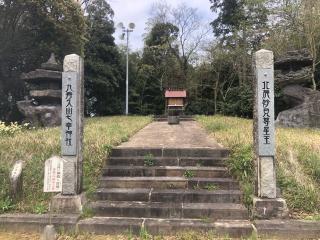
[298, 161]
[35, 146]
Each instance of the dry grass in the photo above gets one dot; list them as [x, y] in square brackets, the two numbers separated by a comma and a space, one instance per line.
[35, 146]
[298, 158]
[179, 236]
[19, 236]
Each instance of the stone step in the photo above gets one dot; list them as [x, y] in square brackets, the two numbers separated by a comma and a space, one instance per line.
[166, 115]
[288, 229]
[169, 171]
[117, 225]
[169, 183]
[166, 119]
[169, 152]
[167, 161]
[169, 195]
[211, 211]
[19, 222]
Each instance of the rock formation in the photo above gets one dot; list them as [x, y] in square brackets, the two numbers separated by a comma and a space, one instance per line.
[43, 107]
[292, 72]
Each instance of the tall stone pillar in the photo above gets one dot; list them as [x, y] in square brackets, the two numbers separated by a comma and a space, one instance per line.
[71, 200]
[72, 123]
[266, 204]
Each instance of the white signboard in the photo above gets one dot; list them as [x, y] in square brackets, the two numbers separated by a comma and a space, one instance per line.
[53, 175]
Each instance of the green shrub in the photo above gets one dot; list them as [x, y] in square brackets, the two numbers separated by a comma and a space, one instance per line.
[6, 204]
[149, 160]
[241, 163]
[12, 128]
[188, 174]
[239, 102]
[211, 187]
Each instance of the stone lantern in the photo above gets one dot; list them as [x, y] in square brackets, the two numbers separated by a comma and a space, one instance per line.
[42, 108]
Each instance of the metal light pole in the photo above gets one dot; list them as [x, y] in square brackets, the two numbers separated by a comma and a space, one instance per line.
[126, 32]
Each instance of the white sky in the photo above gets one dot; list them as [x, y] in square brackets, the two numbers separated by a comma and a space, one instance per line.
[138, 11]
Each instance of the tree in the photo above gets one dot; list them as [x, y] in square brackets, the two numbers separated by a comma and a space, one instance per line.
[311, 26]
[190, 35]
[297, 26]
[30, 31]
[158, 52]
[244, 19]
[190, 32]
[200, 90]
[285, 32]
[156, 69]
[160, 13]
[215, 86]
[224, 73]
[240, 28]
[104, 80]
[241, 25]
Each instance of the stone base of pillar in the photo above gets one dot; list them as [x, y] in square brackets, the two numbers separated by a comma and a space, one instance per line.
[266, 208]
[71, 204]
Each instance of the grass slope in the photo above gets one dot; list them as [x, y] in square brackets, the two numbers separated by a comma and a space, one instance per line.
[35, 146]
[298, 161]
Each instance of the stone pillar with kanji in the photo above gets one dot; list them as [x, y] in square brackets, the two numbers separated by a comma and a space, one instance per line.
[71, 199]
[266, 204]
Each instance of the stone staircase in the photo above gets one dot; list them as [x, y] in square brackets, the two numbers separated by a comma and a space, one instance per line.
[167, 190]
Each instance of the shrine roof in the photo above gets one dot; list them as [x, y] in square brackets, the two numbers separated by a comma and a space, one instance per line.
[176, 94]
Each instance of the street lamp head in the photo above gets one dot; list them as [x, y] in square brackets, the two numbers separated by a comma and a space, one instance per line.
[120, 25]
[132, 25]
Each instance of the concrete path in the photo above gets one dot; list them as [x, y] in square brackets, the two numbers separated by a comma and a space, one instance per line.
[163, 135]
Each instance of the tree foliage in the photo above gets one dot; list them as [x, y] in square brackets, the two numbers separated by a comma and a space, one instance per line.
[189, 35]
[217, 75]
[30, 31]
[296, 25]
[157, 70]
[240, 19]
[104, 78]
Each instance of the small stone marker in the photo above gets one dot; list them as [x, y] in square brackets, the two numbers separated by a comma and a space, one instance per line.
[53, 174]
[266, 204]
[49, 233]
[72, 123]
[16, 181]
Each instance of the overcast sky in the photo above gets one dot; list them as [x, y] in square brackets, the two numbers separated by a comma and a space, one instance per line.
[138, 11]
